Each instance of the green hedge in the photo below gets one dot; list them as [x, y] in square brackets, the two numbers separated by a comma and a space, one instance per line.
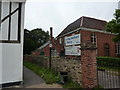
[108, 61]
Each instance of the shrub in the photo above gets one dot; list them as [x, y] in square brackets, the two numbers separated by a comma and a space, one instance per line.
[108, 61]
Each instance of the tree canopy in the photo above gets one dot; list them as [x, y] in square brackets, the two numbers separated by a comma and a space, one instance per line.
[34, 39]
[113, 26]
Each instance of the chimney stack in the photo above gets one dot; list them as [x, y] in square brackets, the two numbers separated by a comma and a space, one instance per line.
[51, 34]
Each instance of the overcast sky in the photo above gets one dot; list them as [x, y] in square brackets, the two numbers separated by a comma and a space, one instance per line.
[59, 14]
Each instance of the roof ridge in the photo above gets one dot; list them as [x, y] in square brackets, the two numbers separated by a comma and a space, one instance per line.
[94, 18]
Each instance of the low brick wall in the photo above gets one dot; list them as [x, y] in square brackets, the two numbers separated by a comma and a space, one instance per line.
[73, 67]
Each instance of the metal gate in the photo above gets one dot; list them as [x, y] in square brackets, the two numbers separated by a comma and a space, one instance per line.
[108, 70]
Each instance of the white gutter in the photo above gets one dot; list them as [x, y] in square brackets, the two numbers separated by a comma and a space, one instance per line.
[87, 29]
[69, 32]
[96, 30]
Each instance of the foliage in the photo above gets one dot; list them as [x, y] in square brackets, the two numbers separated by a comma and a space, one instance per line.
[113, 26]
[34, 39]
[71, 84]
[98, 88]
[108, 62]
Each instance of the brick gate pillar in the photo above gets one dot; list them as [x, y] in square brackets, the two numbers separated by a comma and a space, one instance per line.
[89, 65]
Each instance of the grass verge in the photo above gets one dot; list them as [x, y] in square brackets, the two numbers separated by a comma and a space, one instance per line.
[50, 76]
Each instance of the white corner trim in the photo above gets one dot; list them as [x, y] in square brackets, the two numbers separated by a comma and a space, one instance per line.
[81, 22]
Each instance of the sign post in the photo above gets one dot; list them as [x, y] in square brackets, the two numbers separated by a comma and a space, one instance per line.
[50, 45]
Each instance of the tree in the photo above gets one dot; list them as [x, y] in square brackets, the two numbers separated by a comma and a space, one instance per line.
[29, 46]
[34, 39]
[113, 26]
[39, 36]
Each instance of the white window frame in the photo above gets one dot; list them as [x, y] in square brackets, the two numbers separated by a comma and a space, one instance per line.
[118, 48]
[93, 38]
[60, 40]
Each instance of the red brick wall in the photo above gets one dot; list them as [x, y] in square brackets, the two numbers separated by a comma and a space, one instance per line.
[89, 68]
[46, 51]
[102, 39]
[105, 38]
[56, 45]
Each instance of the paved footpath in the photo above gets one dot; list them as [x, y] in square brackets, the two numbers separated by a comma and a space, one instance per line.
[31, 80]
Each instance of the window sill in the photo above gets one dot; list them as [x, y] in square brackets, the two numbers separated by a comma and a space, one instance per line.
[11, 41]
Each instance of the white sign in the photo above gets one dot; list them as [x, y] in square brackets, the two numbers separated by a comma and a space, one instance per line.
[50, 45]
[73, 50]
[72, 40]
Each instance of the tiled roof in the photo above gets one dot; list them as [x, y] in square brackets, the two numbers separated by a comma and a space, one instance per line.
[94, 23]
[85, 22]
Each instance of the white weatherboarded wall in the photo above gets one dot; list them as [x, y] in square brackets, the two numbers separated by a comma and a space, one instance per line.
[0, 50]
[11, 46]
[0, 64]
[12, 63]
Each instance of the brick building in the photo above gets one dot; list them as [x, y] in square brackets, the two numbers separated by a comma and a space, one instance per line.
[84, 29]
